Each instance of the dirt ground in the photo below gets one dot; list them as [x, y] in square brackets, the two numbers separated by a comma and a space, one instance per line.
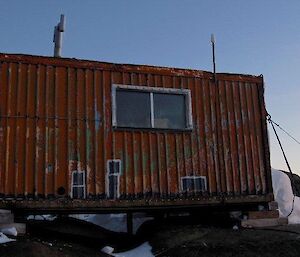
[172, 237]
[196, 240]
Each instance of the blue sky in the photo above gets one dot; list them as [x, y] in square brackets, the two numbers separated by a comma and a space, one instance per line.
[253, 37]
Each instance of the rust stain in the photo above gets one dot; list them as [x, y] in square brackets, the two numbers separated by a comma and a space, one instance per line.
[56, 117]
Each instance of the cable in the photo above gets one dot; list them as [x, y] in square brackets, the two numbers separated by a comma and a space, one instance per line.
[286, 160]
[286, 132]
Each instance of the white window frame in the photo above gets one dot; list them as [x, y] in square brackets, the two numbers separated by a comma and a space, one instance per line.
[108, 174]
[194, 178]
[151, 90]
[77, 186]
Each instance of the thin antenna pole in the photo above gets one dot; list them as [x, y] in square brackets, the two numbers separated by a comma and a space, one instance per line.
[212, 40]
[58, 35]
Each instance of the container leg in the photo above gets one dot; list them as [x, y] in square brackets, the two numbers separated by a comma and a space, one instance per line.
[129, 223]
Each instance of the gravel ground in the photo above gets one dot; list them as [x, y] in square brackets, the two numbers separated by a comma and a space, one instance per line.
[197, 240]
[36, 247]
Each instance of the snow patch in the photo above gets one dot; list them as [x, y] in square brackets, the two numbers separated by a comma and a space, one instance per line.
[42, 217]
[107, 249]
[9, 231]
[114, 222]
[144, 250]
[4, 239]
[283, 195]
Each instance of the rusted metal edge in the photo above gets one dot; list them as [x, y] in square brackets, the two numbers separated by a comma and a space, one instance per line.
[145, 69]
[128, 205]
[265, 137]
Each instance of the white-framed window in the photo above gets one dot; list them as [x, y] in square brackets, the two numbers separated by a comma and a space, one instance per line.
[113, 178]
[78, 186]
[193, 184]
[151, 107]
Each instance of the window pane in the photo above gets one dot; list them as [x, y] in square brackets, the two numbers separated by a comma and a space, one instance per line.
[187, 184]
[169, 111]
[78, 178]
[78, 192]
[198, 184]
[114, 167]
[113, 186]
[133, 109]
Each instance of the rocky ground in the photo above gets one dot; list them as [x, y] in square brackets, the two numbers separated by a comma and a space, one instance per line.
[172, 237]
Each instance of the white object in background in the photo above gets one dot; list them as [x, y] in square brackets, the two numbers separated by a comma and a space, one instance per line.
[283, 195]
[4, 239]
[235, 227]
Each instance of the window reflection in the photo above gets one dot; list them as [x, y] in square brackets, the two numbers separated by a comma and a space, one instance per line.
[169, 111]
[133, 109]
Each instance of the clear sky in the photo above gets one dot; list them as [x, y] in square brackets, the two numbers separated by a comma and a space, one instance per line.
[253, 37]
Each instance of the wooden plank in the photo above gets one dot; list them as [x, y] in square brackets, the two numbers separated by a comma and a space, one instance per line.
[273, 206]
[263, 214]
[261, 223]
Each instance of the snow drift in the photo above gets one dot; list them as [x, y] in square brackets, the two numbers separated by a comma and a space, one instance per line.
[4, 239]
[144, 250]
[283, 194]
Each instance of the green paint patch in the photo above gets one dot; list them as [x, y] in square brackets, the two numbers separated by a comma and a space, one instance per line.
[136, 158]
[88, 143]
[127, 162]
[145, 158]
[153, 165]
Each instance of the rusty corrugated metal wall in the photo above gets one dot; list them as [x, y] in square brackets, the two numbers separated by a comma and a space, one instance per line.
[56, 117]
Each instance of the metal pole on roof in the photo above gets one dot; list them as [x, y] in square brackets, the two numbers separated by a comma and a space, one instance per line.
[58, 35]
[212, 40]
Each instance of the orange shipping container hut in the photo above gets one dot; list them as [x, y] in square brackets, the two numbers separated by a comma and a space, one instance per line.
[90, 136]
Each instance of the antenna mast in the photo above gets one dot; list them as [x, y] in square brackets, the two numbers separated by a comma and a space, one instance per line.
[58, 35]
[212, 40]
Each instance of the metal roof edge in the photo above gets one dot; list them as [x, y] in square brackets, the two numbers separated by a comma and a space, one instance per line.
[138, 68]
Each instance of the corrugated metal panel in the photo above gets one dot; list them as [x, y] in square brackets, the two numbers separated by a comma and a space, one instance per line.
[56, 117]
